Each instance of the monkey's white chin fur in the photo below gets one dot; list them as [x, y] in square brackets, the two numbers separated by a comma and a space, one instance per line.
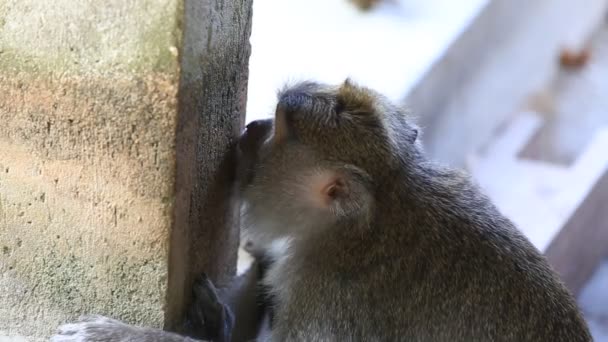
[279, 247]
[267, 237]
[263, 228]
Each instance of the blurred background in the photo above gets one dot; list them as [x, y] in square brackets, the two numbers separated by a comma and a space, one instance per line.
[514, 91]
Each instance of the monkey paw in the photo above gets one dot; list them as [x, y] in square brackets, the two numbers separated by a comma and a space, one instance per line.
[208, 317]
[94, 328]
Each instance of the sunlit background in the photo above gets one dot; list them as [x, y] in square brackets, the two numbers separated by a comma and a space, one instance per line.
[388, 48]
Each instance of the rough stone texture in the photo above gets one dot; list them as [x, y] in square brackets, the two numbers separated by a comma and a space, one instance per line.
[213, 94]
[115, 121]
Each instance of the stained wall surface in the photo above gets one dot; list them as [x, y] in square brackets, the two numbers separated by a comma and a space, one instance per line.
[104, 174]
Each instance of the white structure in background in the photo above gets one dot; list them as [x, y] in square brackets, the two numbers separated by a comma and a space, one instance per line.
[389, 48]
[516, 185]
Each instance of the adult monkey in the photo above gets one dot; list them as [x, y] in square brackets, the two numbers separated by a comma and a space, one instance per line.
[370, 241]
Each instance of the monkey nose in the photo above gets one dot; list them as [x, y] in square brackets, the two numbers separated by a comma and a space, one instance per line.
[254, 133]
[253, 125]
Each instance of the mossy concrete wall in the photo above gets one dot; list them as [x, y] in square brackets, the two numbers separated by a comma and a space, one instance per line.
[115, 120]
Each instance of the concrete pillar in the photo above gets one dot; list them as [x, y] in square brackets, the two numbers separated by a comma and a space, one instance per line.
[115, 120]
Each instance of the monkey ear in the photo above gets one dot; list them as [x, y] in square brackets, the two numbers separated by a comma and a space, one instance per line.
[334, 189]
[343, 191]
[325, 187]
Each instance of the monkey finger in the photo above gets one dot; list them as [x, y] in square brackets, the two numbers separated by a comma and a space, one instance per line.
[205, 292]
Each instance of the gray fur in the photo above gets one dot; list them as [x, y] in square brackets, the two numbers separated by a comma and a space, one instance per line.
[405, 250]
[103, 329]
[422, 255]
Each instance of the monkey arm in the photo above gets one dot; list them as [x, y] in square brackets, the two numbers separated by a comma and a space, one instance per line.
[208, 316]
[247, 303]
[234, 313]
[239, 312]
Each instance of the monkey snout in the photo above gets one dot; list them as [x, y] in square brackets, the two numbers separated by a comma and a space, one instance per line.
[254, 134]
[249, 143]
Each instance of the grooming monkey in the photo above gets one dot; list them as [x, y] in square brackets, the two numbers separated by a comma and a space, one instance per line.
[370, 241]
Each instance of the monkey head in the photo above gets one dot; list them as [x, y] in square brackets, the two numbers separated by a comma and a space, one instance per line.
[320, 161]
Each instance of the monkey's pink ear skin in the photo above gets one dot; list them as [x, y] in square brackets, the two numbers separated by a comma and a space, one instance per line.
[334, 189]
[323, 188]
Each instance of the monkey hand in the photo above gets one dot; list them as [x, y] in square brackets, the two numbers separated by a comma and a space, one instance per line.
[208, 318]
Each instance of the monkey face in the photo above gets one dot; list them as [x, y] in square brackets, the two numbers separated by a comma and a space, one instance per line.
[282, 186]
[319, 160]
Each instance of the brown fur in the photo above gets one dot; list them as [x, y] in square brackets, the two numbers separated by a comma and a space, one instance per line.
[408, 250]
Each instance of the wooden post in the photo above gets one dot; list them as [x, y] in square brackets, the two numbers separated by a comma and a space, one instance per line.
[116, 122]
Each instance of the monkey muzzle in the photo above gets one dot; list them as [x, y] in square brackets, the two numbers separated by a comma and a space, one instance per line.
[254, 134]
[251, 140]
